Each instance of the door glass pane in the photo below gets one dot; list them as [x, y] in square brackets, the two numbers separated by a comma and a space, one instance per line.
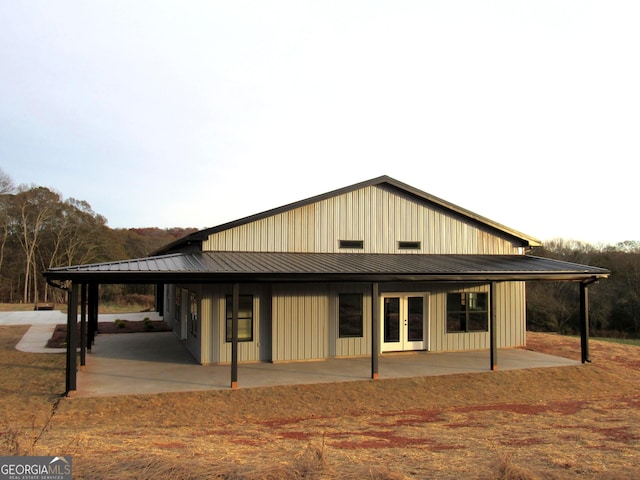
[415, 331]
[392, 319]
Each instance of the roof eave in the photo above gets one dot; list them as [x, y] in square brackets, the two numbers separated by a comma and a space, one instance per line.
[146, 277]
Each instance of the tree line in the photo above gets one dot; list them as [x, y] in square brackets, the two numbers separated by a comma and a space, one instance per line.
[614, 303]
[39, 229]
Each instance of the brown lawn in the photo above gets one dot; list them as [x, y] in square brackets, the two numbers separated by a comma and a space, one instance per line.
[578, 422]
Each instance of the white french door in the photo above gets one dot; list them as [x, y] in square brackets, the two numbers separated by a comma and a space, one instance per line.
[404, 322]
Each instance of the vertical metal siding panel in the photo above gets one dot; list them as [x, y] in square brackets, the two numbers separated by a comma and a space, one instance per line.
[206, 326]
[303, 320]
[373, 214]
[520, 311]
[379, 219]
[300, 314]
[313, 347]
[511, 314]
[438, 321]
[277, 326]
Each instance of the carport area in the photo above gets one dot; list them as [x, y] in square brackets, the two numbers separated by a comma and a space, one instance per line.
[129, 364]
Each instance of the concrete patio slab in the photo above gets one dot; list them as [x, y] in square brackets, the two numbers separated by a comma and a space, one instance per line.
[137, 363]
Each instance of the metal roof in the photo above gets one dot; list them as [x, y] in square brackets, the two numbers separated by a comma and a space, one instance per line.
[210, 267]
[197, 237]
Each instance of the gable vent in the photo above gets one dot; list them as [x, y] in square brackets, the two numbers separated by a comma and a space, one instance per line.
[409, 245]
[351, 243]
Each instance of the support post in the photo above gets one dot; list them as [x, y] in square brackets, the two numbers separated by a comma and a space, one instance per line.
[72, 340]
[375, 330]
[234, 334]
[83, 326]
[159, 292]
[584, 322]
[493, 347]
[93, 314]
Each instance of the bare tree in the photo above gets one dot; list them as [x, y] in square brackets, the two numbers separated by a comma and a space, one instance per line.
[6, 183]
[34, 207]
[6, 196]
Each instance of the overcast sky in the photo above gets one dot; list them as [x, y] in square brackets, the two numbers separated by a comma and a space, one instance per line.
[191, 114]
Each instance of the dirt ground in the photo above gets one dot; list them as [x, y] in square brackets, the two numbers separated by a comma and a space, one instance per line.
[578, 422]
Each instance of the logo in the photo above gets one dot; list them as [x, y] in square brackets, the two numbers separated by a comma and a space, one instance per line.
[35, 468]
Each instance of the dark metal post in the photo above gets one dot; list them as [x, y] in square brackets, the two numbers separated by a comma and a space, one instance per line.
[234, 335]
[83, 326]
[493, 347]
[72, 340]
[160, 298]
[93, 314]
[375, 330]
[584, 322]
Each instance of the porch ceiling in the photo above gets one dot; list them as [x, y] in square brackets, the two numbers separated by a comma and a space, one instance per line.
[215, 267]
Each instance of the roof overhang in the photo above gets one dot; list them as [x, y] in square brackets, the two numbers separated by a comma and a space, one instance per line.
[267, 267]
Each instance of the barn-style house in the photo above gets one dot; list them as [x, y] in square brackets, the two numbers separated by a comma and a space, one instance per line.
[368, 269]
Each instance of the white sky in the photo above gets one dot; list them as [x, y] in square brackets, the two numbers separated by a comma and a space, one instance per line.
[191, 114]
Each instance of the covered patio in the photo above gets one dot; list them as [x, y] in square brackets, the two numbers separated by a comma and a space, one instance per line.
[134, 364]
[108, 372]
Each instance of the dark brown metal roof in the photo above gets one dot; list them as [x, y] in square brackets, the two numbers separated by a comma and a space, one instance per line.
[196, 238]
[203, 267]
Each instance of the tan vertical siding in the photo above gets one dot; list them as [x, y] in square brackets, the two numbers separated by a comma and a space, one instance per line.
[300, 322]
[511, 314]
[510, 320]
[247, 351]
[378, 216]
[210, 351]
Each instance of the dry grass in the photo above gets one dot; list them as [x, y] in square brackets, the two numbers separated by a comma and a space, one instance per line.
[579, 422]
[16, 307]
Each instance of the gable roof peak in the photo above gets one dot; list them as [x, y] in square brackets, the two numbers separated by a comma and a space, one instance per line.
[202, 235]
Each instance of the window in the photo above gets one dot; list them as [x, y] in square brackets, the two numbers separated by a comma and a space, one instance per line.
[409, 245]
[352, 244]
[193, 314]
[350, 315]
[467, 312]
[245, 318]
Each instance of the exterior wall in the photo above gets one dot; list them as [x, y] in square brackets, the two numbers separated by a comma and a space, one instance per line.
[379, 216]
[187, 327]
[510, 320]
[295, 322]
[300, 322]
[215, 348]
[348, 347]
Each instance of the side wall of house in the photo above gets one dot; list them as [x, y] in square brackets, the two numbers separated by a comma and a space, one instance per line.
[379, 216]
[183, 312]
[510, 320]
[300, 321]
